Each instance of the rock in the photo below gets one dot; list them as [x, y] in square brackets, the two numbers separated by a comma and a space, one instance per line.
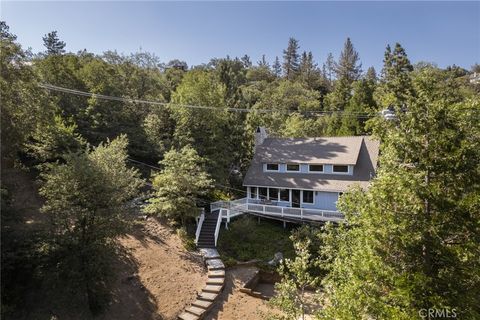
[276, 259]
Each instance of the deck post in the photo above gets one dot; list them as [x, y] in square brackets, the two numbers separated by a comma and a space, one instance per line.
[284, 224]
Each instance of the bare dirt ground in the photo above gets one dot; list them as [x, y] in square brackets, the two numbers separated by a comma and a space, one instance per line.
[161, 279]
[233, 304]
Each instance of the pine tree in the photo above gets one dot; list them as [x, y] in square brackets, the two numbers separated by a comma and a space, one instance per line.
[329, 67]
[396, 74]
[291, 59]
[263, 62]
[371, 75]
[277, 67]
[247, 63]
[348, 67]
[53, 44]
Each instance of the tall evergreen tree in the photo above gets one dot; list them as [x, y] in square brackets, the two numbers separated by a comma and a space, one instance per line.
[348, 66]
[53, 44]
[371, 75]
[247, 63]
[277, 67]
[329, 67]
[396, 74]
[263, 62]
[291, 58]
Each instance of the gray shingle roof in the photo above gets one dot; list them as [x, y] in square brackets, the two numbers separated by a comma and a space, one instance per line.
[328, 150]
[360, 151]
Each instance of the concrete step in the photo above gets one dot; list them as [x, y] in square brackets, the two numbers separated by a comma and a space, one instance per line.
[215, 264]
[188, 316]
[196, 311]
[216, 281]
[212, 288]
[207, 296]
[202, 304]
[216, 274]
[209, 254]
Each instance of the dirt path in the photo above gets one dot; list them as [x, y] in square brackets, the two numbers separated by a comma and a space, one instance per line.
[233, 304]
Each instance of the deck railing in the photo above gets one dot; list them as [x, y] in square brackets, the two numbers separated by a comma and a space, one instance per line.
[219, 222]
[240, 206]
[199, 225]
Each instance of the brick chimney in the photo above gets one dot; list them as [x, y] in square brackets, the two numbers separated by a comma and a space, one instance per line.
[260, 136]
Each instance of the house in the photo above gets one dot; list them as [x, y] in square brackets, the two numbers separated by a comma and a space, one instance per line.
[296, 180]
[308, 172]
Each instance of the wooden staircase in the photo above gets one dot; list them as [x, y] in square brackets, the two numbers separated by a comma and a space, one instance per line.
[207, 233]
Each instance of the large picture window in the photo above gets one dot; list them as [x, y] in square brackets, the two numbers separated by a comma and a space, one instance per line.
[308, 197]
[253, 192]
[273, 194]
[272, 166]
[285, 195]
[262, 192]
[340, 169]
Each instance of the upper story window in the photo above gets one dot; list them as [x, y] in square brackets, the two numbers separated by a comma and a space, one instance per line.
[293, 167]
[340, 169]
[272, 166]
[315, 167]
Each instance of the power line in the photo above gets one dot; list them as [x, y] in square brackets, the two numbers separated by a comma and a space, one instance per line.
[164, 104]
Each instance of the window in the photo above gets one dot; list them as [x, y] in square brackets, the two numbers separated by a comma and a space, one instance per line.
[253, 192]
[273, 194]
[343, 169]
[272, 166]
[285, 195]
[315, 168]
[262, 192]
[293, 167]
[307, 196]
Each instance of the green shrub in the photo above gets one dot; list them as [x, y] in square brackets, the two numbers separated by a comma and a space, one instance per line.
[187, 240]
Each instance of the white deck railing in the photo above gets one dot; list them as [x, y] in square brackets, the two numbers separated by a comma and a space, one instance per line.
[240, 206]
[199, 226]
[219, 222]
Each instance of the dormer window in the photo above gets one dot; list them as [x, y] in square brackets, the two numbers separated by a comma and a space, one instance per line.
[340, 169]
[272, 166]
[293, 167]
[315, 168]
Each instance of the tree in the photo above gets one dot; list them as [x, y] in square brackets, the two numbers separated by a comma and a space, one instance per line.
[291, 59]
[296, 279]
[412, 240]
[247, 63]
[53, 44]
[277, 67]
[85, 198]
[348, 68]
[179, 186]
[263, 62]
[371, 75]
[396, 75]
[329, 67]
[309, 72]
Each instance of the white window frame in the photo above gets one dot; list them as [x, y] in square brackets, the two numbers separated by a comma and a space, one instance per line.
[313, 197]
[295, 164]
[268, 170]
[340, 172]
[319, 164]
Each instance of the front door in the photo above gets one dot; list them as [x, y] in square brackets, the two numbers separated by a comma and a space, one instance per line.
[296, 198]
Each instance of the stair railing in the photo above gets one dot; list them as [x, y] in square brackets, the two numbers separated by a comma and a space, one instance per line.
[219, 222]
[199, 226]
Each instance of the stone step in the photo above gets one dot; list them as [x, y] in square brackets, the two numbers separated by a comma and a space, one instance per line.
[210, 253]
[188, 316]
[207, 296]
[215, 264]
[202, 304]
[212, 288]
[196, 311]
[216, 274]
[216, 281]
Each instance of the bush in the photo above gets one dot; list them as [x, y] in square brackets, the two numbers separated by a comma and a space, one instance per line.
[187, 240]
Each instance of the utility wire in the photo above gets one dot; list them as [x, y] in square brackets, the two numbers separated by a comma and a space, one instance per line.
[50, 87]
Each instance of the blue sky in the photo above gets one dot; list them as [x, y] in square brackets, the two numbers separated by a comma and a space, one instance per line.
[442, 32]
